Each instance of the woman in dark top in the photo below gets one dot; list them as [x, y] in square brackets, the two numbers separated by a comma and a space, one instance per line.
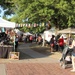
[52, 43]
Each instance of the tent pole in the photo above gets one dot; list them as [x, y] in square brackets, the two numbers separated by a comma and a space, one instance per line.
[14, 43]
[43, 41]
[14, 40]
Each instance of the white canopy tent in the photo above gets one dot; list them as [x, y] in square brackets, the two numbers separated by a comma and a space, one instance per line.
[6, 24]
[18, 32]
[27, 33]
[48, 34]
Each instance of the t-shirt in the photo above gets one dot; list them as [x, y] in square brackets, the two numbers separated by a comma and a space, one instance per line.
[61, 41]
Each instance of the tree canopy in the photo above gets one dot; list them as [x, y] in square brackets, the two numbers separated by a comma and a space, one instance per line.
[60, 13]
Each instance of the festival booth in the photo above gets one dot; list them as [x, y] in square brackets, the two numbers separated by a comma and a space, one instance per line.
[27, 33]
[67, 31]
[5, 49]
[48, 34]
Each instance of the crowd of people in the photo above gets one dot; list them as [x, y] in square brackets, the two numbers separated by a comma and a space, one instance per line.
[59, 43]
[33, 38]
[8, 37]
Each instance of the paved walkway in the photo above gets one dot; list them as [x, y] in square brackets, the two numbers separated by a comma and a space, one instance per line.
[2, 69]
[36, 69]
[37, 57]
[38, 64]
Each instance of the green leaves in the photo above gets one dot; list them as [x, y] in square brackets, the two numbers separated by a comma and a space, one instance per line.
[60, 12]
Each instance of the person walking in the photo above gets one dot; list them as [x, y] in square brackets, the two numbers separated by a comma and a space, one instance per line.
[52, 43]
[16, 42]
[73, 55]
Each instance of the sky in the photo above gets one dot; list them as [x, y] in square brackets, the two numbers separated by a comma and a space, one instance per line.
[1, 12]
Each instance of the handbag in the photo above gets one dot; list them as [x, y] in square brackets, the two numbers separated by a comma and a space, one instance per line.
[52, 45]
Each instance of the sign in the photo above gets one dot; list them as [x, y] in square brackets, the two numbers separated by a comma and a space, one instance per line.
[14, 55]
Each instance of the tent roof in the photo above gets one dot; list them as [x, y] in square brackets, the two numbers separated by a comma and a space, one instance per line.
[18, 32]
[68, 30]
[27, 33]
[7, 24]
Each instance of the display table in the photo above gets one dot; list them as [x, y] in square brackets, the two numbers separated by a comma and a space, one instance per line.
[5, 50]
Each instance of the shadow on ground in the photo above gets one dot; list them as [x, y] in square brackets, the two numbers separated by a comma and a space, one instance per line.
[24, 56]
[37, 48]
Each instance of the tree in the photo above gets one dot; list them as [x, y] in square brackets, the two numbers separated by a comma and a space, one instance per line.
[60, 13]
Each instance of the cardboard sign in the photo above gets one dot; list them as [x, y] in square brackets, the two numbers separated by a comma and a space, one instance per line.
[14, 55]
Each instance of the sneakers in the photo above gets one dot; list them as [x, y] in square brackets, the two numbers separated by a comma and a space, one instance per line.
[72, 70]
